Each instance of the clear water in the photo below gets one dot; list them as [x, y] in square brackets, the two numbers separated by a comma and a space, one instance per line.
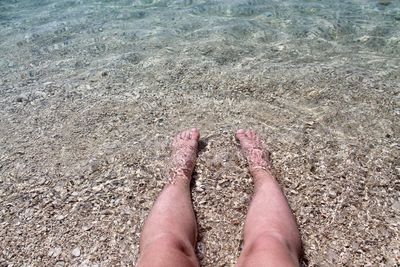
[92, 91]
[81, 34]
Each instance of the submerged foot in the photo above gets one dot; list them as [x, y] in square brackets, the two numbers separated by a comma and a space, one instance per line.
[184, 154]
[252, 149]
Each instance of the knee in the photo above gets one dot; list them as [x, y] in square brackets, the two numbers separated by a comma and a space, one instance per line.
[269, 249]
[169, 242]
[167, 250]
[271, 243]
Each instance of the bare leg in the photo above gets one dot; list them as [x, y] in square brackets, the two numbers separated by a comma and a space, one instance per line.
[170, 231]
[271, 237]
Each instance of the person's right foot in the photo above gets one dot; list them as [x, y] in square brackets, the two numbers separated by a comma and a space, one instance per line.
[252, 149]
[184, 154]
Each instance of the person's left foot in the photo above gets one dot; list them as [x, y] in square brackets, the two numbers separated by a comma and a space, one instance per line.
[184, 154]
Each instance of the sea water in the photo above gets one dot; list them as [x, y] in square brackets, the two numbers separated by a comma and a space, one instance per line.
[362, 33]
[92, 91]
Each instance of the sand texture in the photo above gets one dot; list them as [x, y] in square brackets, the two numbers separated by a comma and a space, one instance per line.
[91, 94]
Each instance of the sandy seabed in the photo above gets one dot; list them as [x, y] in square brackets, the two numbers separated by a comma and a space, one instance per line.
[91, 97]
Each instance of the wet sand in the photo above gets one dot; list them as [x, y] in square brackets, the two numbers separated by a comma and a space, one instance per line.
[91, 96]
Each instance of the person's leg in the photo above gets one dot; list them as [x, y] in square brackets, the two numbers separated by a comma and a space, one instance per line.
[271, 237]
[169, 233]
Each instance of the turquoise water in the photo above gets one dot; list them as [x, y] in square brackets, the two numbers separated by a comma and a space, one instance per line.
[92, 91]
[76, 33]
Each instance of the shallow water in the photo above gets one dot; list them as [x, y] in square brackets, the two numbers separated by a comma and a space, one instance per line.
[92, 91]
[85, 34]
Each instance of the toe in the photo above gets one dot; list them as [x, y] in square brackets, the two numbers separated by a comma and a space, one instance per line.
[249, 134]
[194, 134]
[252, 135]
[185, 135]
[240, 134]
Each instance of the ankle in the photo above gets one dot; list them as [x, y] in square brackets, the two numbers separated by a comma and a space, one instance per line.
[179, 177]
[261, 177]
[258, 172]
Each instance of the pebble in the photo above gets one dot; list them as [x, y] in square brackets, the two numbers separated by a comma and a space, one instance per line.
[267, 14]
[76, 252]
[199, 189]
[203, 202]
[60, 217]
[396, 206]
[54, 252]
[22, 98]
[95, 165]
[41, 181]
[86, 227]
[97, 188]
[384, 2]
[40, 94]
[364, 38]
[278, 47]
[59, 264]
[332, 194]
